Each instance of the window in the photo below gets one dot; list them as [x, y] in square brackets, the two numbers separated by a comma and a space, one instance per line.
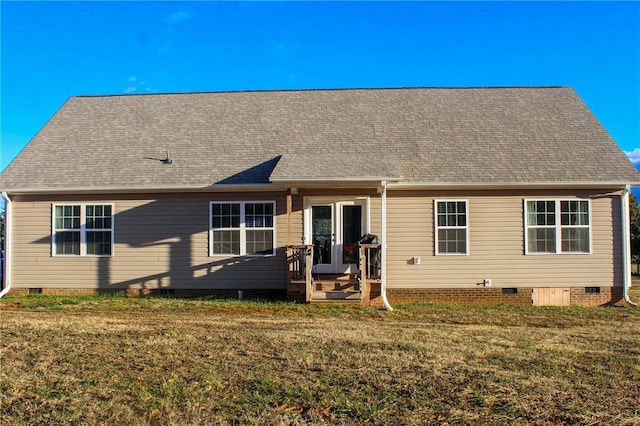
[451, 227]
[541, 229]
[546, 234]
[225, 224]
[242, 228]
[574, 226]
[82, 229]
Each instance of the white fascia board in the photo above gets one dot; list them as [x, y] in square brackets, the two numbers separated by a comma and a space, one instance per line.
[282, 185]
[507, 185]
[335, 179]
[138, 190]
[332, 183]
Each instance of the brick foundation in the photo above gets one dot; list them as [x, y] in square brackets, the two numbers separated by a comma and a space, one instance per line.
[480, 296]
[261, 294]
[607, 296]
[496, 296]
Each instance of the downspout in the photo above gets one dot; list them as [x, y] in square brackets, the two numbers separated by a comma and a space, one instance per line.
[383, 248]
[6, 273]
[626, 247]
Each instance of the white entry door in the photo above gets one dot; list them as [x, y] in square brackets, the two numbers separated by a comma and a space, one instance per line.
[334, 227]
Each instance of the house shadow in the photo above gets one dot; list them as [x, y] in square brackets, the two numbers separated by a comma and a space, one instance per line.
[161, 247]
[259, 173]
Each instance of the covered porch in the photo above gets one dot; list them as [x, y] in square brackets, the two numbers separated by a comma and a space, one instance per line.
[332, 203]
[362, 286]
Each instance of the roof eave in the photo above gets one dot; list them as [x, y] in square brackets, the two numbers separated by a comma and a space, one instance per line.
[335, 180]
[282, 185]
[150, 189]
[510, 185]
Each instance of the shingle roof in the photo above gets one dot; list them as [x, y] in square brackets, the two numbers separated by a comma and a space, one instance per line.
[335, 166]
[418, 135]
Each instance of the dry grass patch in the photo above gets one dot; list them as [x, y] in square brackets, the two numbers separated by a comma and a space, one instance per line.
[165, 361]
[634, 291]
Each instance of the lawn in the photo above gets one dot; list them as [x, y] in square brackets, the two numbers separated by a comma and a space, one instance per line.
[115, 360]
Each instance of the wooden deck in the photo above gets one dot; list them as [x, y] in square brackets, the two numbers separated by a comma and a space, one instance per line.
[306, 287]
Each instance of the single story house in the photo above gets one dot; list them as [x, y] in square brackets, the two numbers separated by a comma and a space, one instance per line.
[475, 195]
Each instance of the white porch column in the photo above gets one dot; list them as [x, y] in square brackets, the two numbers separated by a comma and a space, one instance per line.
[7, 245]
[383, 247]
[626, 247]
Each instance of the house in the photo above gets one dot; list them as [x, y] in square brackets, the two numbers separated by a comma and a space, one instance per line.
[476, 195]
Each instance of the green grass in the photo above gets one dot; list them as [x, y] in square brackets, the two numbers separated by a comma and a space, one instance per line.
[118, 360]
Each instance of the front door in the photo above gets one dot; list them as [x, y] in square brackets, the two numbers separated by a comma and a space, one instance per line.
[335, 227]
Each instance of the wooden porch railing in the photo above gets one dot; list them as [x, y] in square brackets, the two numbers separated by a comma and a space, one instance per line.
[370, 267]
[300, 260]
[300, 263]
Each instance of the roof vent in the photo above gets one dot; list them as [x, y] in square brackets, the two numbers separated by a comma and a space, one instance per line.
[167, 159]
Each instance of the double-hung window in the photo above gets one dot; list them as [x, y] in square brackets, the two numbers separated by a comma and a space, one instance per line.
[242, 228]
[558, 226]
[451, 227]
[82, 230]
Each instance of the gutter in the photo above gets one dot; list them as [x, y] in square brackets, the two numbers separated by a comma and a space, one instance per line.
[466, 186]
[626, 247]
[282, 185]
[269, 187]
[6, 273]
[383, 248]
[345, 179]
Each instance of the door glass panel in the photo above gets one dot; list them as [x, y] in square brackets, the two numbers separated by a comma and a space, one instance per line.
[321, 228]
[351, 232]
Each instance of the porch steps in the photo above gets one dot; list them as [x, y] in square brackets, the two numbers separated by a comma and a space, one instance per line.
[335, 297]
[335, 285]
[332, 289]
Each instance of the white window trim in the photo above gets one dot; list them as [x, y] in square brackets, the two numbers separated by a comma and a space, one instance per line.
[83, 228]
[558, 227]
[243, 229]
[436, 227]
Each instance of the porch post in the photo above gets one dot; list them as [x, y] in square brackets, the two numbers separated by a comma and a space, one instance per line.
[626, 247]
[8, 243]
[289, 216]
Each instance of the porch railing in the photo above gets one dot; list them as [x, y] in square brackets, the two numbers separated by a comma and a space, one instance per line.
[300, 260]
[370, 267]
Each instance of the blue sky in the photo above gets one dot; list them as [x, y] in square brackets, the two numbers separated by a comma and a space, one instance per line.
[54, 50]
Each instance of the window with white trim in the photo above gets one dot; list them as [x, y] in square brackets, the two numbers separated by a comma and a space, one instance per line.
[546, 234]
[82, 230]
[451, 227]
[242, 228]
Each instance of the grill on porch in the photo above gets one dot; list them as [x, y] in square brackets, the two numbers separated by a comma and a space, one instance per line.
[306, 286]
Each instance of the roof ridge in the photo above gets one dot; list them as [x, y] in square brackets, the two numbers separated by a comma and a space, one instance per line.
[331, 89]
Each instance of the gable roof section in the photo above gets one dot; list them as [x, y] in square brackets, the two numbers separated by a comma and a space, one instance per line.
[440, 136]
[335, 166]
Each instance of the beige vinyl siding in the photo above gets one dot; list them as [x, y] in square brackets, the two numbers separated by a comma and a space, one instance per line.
[162, 240]
[496, 243]
[159, 242]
